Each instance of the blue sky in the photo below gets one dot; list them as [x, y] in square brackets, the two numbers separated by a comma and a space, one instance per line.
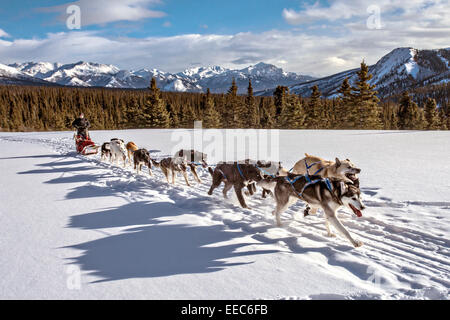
[309, 37]
[27, 18]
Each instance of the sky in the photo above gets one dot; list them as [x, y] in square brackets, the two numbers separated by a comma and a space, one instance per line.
[315, 38]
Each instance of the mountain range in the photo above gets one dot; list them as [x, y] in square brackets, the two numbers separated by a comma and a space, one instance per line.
[88, 74]
[401, 69]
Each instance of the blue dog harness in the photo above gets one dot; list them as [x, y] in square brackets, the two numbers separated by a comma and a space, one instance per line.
[308, 183]
[309, 167]
[240, 171]
[266, 172]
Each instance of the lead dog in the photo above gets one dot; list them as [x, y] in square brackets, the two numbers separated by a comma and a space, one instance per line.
[171, 166]
[237, 175]
[327, 194]
[344, 170]
[131, 148]
[118, 151]
[193, 159]
[141, 157]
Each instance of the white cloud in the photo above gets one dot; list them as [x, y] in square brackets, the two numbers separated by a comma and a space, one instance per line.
[406, 11]
[341, 46]
[4, 34]
[98, 12]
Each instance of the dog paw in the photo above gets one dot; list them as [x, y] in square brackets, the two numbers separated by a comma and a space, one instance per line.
[331, 235]
[358, 244]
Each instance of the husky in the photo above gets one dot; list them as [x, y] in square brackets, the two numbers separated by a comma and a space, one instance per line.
[118, 150]
[131, 148]
[327, 194]
[106, 151]
[235, 174]
[193, 159]
[171, 166]
[141, 157]
[268, 169]
[344, 170]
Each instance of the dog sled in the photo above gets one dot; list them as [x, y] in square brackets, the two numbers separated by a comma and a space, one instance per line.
[84, 145]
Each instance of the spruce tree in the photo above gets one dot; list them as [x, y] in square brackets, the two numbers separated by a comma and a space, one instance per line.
[211, 118]
[365, 101]
[408, 113]
[431, 115]
[251, 116]
[292, 115]
[279, 96]
[155, 114]
[442, 119]
[132, 112]
[231, 104]
[345, 116]
[313, 109]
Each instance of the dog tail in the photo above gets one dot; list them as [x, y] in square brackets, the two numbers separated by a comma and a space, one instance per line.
[156, 164]
[307, 155]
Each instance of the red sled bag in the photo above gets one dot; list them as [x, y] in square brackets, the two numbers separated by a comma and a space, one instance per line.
[85, 146]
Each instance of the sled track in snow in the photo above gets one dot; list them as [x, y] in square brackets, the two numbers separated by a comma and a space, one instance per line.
[404, 257]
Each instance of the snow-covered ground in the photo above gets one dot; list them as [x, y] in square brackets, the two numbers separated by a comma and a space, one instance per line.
[66, 220]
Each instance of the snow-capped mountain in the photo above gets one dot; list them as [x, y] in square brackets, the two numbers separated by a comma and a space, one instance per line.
[218, 79]
[401, 69]
[11, 75]
[263, 75]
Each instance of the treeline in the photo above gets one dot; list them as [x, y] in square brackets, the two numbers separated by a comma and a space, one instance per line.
[356, 107]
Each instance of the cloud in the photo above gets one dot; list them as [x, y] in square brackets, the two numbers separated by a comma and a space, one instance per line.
[318, 52]
[99, 12]
[167, 24]
[4, 34]
[406, 11]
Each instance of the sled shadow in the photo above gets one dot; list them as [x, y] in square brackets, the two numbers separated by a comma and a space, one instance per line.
[157, 249]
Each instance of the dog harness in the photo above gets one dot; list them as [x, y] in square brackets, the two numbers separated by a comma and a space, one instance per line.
[240, 171]
[309, 167]
[264, 171]
[308, 183]
[312, 165]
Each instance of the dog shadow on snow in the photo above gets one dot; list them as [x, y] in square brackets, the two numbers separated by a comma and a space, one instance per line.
[153, 247]
[150, 245]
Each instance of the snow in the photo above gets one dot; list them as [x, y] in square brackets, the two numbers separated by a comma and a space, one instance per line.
[176, 85]
[138, 237]
[217, 78]
[38, 69]
[411, 66]
[9, 71]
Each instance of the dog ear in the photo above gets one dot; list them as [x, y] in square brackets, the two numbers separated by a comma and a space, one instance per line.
[343, 188]
[338, 163]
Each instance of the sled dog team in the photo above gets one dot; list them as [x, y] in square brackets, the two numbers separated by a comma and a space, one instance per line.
[328, 185]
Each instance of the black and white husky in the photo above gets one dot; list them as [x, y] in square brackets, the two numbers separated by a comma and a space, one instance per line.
[142, 157]
[329, 195]
[106, 151]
